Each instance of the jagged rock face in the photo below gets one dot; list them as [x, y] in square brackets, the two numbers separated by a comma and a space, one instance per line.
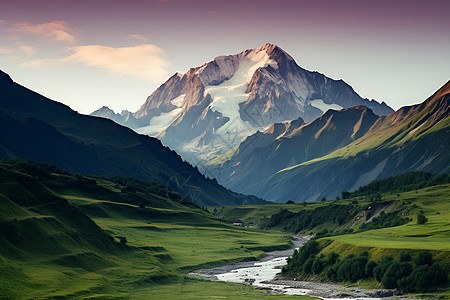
[212, 108]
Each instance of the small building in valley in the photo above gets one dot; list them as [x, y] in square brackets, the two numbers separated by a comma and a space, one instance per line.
[238, 223]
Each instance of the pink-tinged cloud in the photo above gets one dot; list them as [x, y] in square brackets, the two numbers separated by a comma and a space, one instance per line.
[138, 37]
[57, 30]
[41, 63]
[27, 49]
[2, 21]
[145, 62]
[4, 50]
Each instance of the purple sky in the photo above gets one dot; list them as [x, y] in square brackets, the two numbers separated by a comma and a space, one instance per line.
[92, 53]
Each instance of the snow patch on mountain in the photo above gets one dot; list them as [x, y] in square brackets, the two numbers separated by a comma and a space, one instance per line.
[161, 122]
[178, 101]
[318, 103]
[227, 95]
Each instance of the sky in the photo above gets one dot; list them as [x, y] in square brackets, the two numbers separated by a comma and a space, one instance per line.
[87, 54]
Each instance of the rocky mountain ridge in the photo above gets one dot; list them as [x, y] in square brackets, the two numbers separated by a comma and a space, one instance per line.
[212, 108]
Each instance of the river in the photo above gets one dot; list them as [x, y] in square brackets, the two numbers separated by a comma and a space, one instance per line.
[263, 274]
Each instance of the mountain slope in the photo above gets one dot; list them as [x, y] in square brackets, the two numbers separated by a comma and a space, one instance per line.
[36, 128]
[213, 107]
[413, 138]
[288, 144]
[44, 240]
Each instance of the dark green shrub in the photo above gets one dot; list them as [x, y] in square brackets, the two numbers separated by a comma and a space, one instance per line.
[317, 265]
[371, 265]
[405, 256]
[424, 258]
[421, 219]
[307, 266]
[394, 273]
[381, 267]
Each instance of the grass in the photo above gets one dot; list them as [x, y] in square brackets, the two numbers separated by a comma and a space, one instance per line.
[193, 240]
[52, 250]
[254, 213]
[58, 256]
[433, 235]
[201, 289]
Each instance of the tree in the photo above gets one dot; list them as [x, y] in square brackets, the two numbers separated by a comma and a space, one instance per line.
[317, 265]
[123, 240]
[371, 265]
[405, 256]
[394, 273]
[424, 258]
[421, 219]
[383, 265]
[345, 195]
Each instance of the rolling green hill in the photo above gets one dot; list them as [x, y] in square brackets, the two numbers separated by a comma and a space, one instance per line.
[380, 220]
[99, 239]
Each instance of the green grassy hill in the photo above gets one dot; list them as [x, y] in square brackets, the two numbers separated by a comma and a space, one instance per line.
[90, 240]
[381, 224]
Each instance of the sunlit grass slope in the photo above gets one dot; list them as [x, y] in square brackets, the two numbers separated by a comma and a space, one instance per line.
[69, 246]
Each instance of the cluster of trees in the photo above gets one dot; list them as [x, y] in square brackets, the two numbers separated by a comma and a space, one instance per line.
[133, 185]
[402, 183]
[36, 170]
[339, 214]
[43, 171]
[385, 220]
[308, 219]
[404, 274]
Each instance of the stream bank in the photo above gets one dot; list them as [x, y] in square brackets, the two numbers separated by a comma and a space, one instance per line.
[263, 273]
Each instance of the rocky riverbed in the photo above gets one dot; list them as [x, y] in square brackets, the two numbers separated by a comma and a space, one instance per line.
[263, 273]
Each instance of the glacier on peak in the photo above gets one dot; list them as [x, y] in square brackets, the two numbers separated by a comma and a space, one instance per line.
[324, 107]
[227, 96]
[212, 108]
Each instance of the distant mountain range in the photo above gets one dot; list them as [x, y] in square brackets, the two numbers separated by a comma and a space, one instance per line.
[36, 128]
[212, 108]
[301, 163]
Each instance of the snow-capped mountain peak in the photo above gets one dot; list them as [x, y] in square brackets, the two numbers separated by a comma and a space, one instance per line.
[212, 108]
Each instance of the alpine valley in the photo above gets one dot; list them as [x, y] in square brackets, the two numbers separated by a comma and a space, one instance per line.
[262, 125]
[147, 205]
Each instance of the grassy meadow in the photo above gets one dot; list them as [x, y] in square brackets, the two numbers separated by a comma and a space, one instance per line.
[63, 236]
[122, 251]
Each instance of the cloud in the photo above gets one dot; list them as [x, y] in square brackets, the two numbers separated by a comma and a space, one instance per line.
[42, 63]
[2, 21]
[57, 30]
[4, 50]
[144, 61]
[138, 37]
[27, 49]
